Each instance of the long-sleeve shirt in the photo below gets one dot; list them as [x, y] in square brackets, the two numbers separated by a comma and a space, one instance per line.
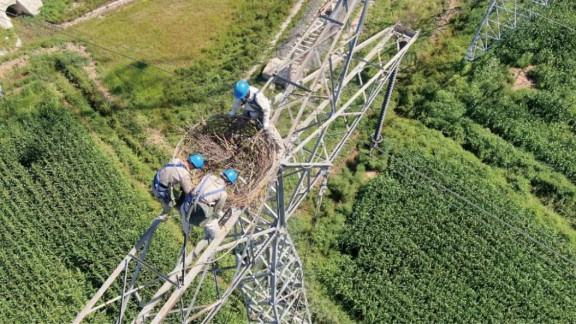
[176, 175]
[255, 105]
[214, 183]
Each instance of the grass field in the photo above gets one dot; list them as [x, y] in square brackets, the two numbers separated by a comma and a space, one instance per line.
[165, 33]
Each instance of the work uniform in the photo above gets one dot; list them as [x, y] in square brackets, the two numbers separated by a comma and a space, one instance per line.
[204, 205]
[174, 173]
[256, 106]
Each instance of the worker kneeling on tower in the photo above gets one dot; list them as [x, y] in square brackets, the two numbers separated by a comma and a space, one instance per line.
[256, 105]
[203, 206]
[175, 173]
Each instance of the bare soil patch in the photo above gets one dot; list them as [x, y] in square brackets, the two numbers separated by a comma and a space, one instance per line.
[521, 79]
[98, 12]
[369, 175]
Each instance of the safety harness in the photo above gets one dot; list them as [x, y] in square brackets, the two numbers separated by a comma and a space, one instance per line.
[254, 104]
[195, 208]
[162, 191]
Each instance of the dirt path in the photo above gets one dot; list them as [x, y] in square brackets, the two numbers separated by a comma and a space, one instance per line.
[22, 61]
[100, 11]
[90, 69]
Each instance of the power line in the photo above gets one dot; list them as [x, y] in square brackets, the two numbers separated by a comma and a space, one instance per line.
[479, 199]
[124, 46]
[57, 30]
[462, 209]
[479, 208]
[550, 20]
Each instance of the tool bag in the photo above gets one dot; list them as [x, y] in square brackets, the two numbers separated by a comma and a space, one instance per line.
[194, 209]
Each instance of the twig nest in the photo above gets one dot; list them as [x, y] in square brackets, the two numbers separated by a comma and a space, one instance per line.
[232, 142]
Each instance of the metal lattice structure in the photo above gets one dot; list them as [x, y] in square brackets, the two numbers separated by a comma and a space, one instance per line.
[502, 17]
[329, 88]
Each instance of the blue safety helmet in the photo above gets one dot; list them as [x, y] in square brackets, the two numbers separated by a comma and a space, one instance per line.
[241, 89]
[231, 175]
[197, 160]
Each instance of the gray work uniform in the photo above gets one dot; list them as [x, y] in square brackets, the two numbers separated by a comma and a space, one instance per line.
[174, 173]
[211, 192]
[256, 106]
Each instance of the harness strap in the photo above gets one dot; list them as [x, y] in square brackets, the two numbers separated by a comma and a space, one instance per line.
[174, 165]
[202, 183]
[193, 199]
[169, 165]
[214, 192]
[254, 103]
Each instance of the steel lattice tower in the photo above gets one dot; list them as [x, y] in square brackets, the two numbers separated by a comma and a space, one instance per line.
[502, 17]
[330, 83]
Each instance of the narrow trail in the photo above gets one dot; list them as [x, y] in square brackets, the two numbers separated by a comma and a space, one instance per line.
[100, 11]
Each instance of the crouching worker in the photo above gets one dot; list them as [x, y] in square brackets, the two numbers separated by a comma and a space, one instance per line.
[204, 205]
[176, 172]
[256, 105]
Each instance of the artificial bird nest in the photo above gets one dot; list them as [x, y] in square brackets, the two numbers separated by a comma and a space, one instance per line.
[232, 142]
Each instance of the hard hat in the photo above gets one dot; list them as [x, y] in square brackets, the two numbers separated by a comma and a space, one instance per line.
[241, 89]
[197, 160]
[231, 175]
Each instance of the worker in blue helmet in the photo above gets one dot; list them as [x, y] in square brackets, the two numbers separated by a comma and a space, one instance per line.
[176, 173]
[204, 206]
[255, 103]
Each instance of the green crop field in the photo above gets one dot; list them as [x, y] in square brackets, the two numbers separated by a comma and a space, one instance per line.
[397, 248]
[405, 250]
[68, 213]
[83, 130]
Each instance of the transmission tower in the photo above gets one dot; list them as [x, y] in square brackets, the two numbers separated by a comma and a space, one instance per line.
[501, 18]
[330, 81]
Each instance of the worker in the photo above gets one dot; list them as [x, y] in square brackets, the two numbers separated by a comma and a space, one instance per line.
[204, 205]
[176, 172]
[256, 105]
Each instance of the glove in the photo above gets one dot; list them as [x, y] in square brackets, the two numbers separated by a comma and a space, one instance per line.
[232, 113]
[212, 228]
[265, 125]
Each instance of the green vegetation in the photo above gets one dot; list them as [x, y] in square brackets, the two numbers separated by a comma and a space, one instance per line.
[386, 251]
[399, 249]
[528, 132]
[68, 214]
[58, 11]
[80, 143]
[7, 40]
